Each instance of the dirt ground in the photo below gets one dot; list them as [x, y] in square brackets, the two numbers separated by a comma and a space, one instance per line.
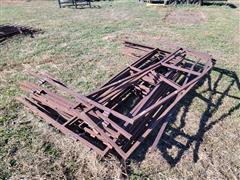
[187, 17]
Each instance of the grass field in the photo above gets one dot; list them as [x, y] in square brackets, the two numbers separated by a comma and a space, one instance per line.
[83, 47]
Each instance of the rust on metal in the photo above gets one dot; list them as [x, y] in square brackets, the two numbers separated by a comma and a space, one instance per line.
[117, 117]
[7, 30]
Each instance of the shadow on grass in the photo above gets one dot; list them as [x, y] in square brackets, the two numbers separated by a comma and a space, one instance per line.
[205, 3]
[209, 3]
[92, 7]
[70, 6]
[213, 101]
[8, 31]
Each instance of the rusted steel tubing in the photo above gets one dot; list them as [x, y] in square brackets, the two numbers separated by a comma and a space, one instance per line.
[106, 109]
[64, 106]
[146, 133]
[141, 74]
[155, 96]
[145, 99]
[136, 65]
[89, 101]
[146, 48]
[135, 45]
[169, 96]
[57, 105]
[180, 69]
[58, 126]
[154, 91]
[35, 89]
[146, 72]
[118, 76]
[159, 135]
[125, 133]
[144, 92]
[116, 82]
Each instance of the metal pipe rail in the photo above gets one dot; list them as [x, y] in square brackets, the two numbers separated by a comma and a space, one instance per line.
[118, 117]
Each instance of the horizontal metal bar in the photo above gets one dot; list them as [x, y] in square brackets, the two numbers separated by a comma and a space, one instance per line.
[181, 69]
[58, 126]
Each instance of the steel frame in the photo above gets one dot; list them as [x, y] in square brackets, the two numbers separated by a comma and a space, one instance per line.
[75, 3]
[118, 117]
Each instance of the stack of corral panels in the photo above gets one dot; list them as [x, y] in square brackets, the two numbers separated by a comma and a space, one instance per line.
[117, 117]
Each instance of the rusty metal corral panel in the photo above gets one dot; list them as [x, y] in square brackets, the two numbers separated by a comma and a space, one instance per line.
[117, 117]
